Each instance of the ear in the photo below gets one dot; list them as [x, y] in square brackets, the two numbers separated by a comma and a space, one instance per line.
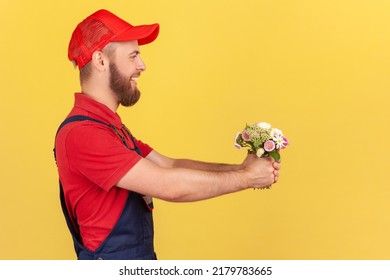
[99, 61]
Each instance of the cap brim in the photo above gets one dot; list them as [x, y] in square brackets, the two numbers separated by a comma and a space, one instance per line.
[144, 34]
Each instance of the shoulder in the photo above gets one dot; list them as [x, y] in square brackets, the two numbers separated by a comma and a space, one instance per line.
[85, 134]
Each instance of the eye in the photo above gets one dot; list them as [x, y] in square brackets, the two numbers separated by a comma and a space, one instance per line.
[133, 55]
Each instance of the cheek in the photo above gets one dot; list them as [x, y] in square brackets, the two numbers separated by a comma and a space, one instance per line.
[126, 67]
[128, 71]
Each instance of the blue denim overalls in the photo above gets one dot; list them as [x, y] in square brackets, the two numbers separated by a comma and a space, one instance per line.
[132, 235]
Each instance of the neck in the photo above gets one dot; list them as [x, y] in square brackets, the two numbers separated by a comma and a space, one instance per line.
[101, 94]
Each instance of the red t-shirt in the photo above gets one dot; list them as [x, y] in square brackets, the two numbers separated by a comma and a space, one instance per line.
[91, 159]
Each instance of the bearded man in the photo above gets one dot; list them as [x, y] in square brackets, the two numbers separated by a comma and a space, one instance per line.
[107, 176]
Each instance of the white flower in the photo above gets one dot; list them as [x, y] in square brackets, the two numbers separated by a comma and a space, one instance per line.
[264, 125]
[260, 152]
[276, 133]
[238, 146]
[279, 141]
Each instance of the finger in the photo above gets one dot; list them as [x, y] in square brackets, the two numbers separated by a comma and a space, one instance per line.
[277, 165]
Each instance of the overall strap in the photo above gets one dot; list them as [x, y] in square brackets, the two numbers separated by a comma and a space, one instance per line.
[79, 118]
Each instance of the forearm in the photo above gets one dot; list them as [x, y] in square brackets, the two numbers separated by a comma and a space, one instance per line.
[194, 185]
[206, 166]
[168, 162]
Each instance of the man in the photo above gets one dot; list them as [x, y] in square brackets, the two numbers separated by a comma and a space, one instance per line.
[107, 176]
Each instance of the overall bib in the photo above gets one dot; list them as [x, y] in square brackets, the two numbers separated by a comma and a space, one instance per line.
[133, 234]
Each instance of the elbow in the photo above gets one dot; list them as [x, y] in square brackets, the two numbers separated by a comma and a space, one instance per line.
[175, 193]
[173, 196]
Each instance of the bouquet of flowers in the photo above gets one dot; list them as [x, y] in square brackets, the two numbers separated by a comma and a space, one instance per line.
[262, 140]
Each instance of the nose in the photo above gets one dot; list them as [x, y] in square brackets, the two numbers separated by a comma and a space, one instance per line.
[141, 65]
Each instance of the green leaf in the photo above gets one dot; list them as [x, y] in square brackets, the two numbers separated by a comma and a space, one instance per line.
[275, 155]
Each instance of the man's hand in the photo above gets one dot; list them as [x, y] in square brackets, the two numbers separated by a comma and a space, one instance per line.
[261, 172]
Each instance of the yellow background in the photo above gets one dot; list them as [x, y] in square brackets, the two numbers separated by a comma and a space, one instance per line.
[318, 70]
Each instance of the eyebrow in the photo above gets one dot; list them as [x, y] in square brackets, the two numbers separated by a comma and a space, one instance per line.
[135, 52]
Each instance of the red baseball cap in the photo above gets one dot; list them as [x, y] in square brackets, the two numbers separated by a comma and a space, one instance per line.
[101, 28]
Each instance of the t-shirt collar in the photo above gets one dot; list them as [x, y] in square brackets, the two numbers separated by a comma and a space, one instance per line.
[89, 104]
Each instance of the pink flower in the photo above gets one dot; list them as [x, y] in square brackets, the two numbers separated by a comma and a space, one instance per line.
[269, 146]
[285, 142]
[245, 136]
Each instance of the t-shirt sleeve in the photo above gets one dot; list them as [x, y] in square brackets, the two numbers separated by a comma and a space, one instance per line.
[98, 154]
[145, 148]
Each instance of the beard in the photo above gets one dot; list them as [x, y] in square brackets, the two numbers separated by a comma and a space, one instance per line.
[121, 86]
